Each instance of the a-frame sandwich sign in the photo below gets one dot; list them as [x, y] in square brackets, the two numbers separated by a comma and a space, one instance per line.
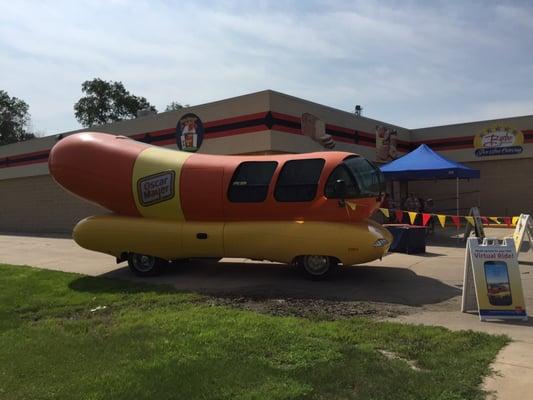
[523, 230]
[492, 283]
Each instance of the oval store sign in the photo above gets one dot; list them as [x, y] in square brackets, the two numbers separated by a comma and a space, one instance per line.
[498, 141]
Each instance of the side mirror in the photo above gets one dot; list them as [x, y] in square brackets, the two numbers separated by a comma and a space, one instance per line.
[340, 188]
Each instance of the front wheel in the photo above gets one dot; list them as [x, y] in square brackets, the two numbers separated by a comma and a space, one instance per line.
[144, 265]
[317, 267]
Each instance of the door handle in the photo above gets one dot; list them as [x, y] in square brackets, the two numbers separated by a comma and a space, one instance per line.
[201, 235]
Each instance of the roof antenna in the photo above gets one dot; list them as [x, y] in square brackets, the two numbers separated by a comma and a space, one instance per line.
[358, 110]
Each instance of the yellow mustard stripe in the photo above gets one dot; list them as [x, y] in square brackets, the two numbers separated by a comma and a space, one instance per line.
[153, 172]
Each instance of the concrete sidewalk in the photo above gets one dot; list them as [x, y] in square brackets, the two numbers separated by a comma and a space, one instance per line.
[429, 284]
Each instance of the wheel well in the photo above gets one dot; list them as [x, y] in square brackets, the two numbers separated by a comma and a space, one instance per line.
[123, 257]
[297, 259]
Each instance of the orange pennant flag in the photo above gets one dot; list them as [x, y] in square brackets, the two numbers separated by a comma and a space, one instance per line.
[412, 216]
[470, 220]
[385, 212]
[442, 220]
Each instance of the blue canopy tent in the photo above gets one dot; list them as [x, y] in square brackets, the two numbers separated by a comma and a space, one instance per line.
[425, 164]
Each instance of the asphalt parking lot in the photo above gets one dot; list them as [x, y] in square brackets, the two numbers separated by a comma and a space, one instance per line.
[423, 289]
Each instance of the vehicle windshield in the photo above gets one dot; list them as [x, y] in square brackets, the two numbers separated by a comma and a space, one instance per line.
[362, 179]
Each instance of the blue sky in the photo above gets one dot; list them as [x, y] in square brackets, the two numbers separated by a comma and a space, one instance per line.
[412, 63]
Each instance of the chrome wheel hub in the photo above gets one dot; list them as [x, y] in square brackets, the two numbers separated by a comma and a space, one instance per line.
[143, 262]
[316, 265]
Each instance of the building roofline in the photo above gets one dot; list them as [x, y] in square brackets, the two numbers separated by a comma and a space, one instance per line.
[471, 123]
[276, 93]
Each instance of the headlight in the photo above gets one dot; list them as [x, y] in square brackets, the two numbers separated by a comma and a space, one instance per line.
[380, 243]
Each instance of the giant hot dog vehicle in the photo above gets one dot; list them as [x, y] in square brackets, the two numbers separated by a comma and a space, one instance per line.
[166, 205]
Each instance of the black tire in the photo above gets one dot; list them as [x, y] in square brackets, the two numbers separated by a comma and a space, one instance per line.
[144, 265]
[317, 267]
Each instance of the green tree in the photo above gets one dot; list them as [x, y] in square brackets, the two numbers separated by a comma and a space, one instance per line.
[105, 102]
[175, 106]
[14, 119]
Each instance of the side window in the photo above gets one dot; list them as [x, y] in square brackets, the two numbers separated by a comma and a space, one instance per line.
[250, 181]
[341, 173]
[298, 180]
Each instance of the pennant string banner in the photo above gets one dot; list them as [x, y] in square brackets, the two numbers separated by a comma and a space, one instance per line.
[456, 219]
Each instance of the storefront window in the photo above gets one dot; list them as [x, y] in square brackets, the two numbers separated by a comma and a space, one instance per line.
[250, 181]
[298, 180]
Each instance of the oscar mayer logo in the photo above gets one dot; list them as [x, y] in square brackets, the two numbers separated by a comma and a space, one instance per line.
[156, 188]
[498, 141]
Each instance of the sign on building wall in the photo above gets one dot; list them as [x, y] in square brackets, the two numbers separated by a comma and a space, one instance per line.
[492, 284]
[189, 133]
[498, 141]
[315, 128]
[386, 144]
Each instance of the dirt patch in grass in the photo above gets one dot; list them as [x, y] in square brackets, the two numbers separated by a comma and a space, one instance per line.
[315, 308]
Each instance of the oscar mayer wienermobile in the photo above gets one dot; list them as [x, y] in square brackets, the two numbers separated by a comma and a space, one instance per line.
[308, 209]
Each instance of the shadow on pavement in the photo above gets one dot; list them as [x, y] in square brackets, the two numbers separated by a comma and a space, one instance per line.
[278, 281]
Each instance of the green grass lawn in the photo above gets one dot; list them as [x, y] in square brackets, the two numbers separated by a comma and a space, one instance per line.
[150, 342]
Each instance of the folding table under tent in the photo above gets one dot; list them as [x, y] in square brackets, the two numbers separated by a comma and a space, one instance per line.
[426, 164]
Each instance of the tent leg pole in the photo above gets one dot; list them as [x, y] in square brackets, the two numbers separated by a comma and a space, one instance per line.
[457, 203]
[457, 197]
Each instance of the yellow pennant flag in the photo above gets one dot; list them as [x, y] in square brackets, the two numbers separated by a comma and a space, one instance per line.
[470, 220]
[412, 217]
[352, 205]
[385, 212]
[442, 220]
[515, 220]
[495, 219]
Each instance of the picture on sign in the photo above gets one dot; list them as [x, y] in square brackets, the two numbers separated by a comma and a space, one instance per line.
[189, 133]
[498, 285]
[498, 141]
[156, 188]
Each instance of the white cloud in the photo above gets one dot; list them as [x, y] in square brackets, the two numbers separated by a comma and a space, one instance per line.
[408, 65]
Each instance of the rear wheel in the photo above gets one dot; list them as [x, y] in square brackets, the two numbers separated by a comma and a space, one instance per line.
[144, 265]
[317, 267]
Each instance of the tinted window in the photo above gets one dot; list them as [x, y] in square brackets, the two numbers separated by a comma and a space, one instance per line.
[362, 178]
[369, 177]
[250, 181]
[298, 180]
[341, 173]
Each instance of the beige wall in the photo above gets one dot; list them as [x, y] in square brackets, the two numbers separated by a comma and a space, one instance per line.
[37, 204]
[451, 132]
[282, 103]
[505, 189]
